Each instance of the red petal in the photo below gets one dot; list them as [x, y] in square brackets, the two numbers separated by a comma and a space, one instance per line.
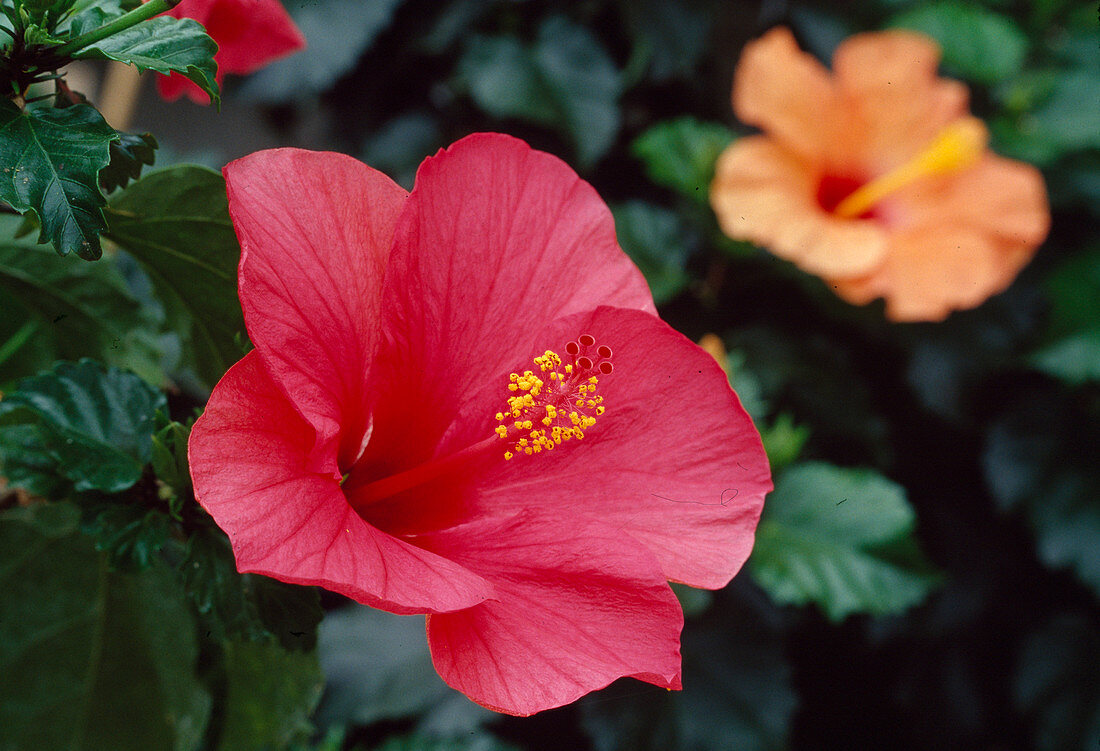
[577, 606]
[315, 232]
[248, 454]
[675, 461]
[495, 239]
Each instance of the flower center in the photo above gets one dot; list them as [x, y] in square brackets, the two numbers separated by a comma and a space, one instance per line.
[559, 402]
[547, 408]
[957, 147]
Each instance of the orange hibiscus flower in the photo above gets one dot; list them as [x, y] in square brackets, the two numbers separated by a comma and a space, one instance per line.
[876, 178]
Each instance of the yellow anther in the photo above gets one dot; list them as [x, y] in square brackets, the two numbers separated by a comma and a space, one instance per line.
[502, 431]
[507, 455]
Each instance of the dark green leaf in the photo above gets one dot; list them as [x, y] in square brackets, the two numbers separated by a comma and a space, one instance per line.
[270, 697]
[332, 49]
[91, 659]
[169, 462]
[378, 668]
[88, 15]
[737, 691]
[165, 45]
[129, 154]
[977, 43]
[477, 741]
[1056, 685]
[839, 538]
[96, 424]
[656, 240]
[680, 154]
[130, 532]
[1075, 359]
[401, 144]
[74, 309]
[783, 441]
[566, 79]
[50, 159]
[245, 607]
[669, 37]
[1074, 291]
[175, 222]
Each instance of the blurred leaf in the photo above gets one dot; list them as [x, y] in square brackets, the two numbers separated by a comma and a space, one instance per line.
[96, 424]
[165, 45]
[681, 153]
[1056, 685]
[669, 37]
[480, 741]
[337, 34]
[245, 607]
[75, 309]
[783, 441]
[26, 463]
[400, 145]
[694, 602]
[91, 659]
[654, 238]
[50, 158]
[737, 691]
[454, 20]
[378, 668]
[747, 385]
[566, 80]
[1064, 119]
[1075, 359]
[1074, 291]
[271, 694]
[175, 222]
[129, 154]
[841, 538]
[979, 44]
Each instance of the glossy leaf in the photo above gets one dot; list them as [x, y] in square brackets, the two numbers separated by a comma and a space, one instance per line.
[175, 222]
[842, 539]
[681, 153]
[270, 696]
[566, 79]
[655, 239]
[129, 154]
[73, 309]
[50, 158]
[91, 659]
[95, 424]
[165, 45]
[979, 44]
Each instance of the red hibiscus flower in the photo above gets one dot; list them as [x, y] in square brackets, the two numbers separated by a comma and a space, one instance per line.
[250, 34]
[461, 403]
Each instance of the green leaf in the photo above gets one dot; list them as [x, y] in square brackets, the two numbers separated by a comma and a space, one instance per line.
[476, 741]
[91, 659]
[270, 696]
[1074, 359]
[74, 309]
[654, 238]
[378, 668]
[165, 45]
[668, 37]
[680, 154]
[783, 441]
[1056, 688]
[130, 532]
[50, 158]
[175, 222]
[737, 690]
[566, 80]
[129, 154]
[1074, 291]
[245, 607]
[96, 424]
[332, 49]
[840, 538]
[169, 462]
[979, 44]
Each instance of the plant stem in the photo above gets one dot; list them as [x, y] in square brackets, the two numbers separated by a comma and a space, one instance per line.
[134, 17]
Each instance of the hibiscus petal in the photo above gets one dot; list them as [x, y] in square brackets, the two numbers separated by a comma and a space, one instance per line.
[315, 231]
[786, 92]
[495, 239]
[248, 455]
[674, 462]
[889, 80]
[765, 193]
[249, 33]
[578, 605]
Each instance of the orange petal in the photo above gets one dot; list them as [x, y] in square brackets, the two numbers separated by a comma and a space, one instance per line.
[888, 81]
[767, 194]
[785, 92]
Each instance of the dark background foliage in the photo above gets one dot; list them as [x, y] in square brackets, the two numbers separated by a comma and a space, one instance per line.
[927, 574]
